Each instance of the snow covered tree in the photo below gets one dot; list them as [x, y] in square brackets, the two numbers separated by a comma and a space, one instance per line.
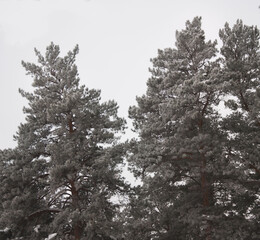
[200, 170]
[19, 192]
[180, 144]
[67, 156]
[241, 72]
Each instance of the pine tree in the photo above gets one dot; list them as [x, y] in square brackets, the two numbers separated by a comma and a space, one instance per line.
[241, 71]
[19, 190]
[67, 156]
[180, 146]
[200, 170]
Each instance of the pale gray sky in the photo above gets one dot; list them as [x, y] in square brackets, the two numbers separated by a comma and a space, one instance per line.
[117, 38]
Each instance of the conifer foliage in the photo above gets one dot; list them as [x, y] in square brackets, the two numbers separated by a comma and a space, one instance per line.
[200, 169]
[197, 168]
[241, 72]
[62, 175]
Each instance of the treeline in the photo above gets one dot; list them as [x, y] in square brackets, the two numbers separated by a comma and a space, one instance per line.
[199, 168]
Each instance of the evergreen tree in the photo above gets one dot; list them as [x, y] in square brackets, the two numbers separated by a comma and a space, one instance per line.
[179, 150]
[200, 171]
[241, 71]
[19, 192]
[67, 157]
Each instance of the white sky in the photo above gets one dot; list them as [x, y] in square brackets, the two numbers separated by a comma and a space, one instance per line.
[117, 38]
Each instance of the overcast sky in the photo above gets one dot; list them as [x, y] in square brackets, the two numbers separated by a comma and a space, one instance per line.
[116, 38]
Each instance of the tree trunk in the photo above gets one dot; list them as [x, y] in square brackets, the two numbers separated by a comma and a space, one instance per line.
[75, 203]
[74, 193]
[205, 190]
[205, 184]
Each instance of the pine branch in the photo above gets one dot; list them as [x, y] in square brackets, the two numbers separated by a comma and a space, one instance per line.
[40, 212]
